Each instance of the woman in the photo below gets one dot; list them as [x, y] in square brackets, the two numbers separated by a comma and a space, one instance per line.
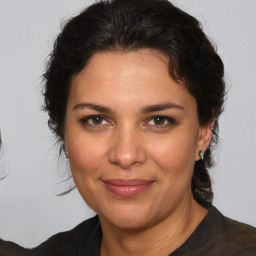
[134, 90]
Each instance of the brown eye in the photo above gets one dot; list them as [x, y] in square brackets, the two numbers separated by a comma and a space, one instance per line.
[97, 120]
[159, 120]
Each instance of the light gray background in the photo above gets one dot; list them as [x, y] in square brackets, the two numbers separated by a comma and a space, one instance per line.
[30, 211]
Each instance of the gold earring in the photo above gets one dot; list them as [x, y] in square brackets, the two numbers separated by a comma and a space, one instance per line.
[201, 155]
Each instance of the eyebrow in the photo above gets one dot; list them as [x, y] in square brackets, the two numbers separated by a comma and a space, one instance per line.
[159, 107]
[144, 110]
[95, 107]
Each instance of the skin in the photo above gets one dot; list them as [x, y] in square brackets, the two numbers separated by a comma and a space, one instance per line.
[126, 140]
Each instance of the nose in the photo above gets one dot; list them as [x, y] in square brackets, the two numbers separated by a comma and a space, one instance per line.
[127, 149]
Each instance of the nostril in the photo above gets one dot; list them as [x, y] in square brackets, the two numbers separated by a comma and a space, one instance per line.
[127, 158]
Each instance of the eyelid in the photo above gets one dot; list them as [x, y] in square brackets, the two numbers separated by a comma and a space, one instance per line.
[85, 119]
[171, 121]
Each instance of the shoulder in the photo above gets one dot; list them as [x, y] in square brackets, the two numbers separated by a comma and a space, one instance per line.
[240, 236]
[12, 249]
[64, 243]
[67, 243]
[219, 235]
[230, 236]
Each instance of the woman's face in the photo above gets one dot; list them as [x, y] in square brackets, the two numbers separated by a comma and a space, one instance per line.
[133, 136]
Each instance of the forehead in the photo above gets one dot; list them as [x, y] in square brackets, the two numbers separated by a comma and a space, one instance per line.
[132, 77]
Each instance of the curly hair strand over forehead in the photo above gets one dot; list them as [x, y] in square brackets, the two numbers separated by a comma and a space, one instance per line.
[129, 25]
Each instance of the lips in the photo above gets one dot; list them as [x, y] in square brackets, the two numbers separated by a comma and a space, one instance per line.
[127, 188]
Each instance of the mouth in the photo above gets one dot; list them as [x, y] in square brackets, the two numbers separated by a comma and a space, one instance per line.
[127, 188]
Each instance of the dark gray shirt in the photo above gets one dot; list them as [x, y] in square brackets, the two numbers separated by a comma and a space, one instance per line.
[216, 235]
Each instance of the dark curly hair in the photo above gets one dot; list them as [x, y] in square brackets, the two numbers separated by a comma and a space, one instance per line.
[129, 25]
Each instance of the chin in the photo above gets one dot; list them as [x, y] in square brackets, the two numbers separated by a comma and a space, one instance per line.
[128, 217]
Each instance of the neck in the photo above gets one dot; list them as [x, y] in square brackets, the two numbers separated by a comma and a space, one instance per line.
[160, 239]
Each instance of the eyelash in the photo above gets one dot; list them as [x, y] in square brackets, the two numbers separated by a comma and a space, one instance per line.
[170, 121]
[85, 121]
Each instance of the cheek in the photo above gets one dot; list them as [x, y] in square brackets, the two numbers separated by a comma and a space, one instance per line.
[174, 158]
[86, 159]
[85, 155]
[175, 152]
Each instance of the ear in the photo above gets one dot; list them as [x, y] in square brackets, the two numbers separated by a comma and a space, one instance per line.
[204, 138]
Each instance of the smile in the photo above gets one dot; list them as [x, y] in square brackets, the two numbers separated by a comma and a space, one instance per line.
[127, 188]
